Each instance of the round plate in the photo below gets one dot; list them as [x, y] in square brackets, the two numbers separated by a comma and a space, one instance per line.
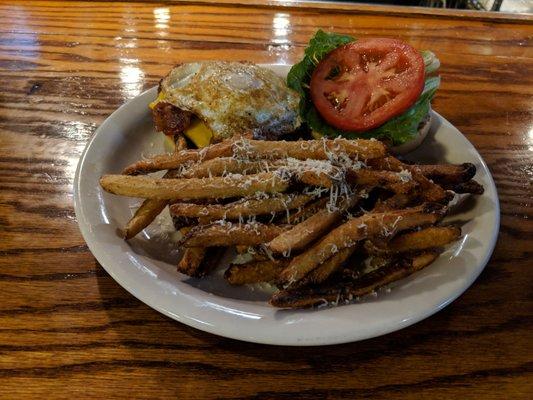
[146, 265]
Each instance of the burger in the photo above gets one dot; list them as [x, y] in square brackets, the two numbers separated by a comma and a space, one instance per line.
[369, 88]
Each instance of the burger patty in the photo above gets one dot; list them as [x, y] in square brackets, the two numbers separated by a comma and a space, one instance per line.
[169, 119]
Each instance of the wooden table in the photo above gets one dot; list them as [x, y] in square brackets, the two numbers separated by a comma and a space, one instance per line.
[68, 330]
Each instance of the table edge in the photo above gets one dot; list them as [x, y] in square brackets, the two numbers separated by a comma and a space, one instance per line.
[359, 8]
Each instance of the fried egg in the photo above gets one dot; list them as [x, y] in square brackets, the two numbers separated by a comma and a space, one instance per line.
[231, 98]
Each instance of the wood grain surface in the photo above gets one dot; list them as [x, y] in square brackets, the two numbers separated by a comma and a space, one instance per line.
[67, 330]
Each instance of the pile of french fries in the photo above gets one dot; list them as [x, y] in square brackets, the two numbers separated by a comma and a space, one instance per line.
[326, 221]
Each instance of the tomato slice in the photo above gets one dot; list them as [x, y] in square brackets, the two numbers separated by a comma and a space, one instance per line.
[361, 85]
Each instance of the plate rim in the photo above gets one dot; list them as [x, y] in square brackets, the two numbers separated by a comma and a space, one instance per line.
[234, 334]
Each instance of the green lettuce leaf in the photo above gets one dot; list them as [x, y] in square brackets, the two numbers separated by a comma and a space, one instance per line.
[431, 62]
[321, 44]
[402, 128]
[397, 130]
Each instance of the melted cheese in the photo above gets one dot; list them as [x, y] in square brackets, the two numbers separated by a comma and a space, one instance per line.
[160, 97]
[199, 133]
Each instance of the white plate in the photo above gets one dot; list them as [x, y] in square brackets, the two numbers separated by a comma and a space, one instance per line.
[146, 266]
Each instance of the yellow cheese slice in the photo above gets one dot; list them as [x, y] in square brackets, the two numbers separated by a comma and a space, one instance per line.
[160, 97]
[199, 133]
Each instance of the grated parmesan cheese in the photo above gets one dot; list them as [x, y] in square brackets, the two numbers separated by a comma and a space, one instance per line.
[405, 175]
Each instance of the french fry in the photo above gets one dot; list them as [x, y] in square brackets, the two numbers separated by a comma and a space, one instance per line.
[448, 173]
[191, 260]
[254, 272]
[395, 202]
[343, 292]
[313, 178]
[197, 262]
[230, 234]
[241, 208]
[324, 270]
[194, 188]
[144, 216]
[177, 159]
[305, 149]
[306, 211]
[430, 192]
[150, 208]
[471, 187]
[229, 165]
[387, 179]
[349, 233]
[427, 238]
[309, 230]
[361, 149]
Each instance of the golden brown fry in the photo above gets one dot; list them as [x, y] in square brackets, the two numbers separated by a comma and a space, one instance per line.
[313, 178]
[254, 272]
[200, 261]
[349, 233]
[144, 216]
[194, 188]
[309, 230]
[191, 261]
[388, 163]
[361, 149]
[176, 160]
[302, 150]
[471, 187]
[241, 208]
[397, 182]
[427, 238]
[448, 173]
[229, 165]
[344, 292]
[150, 208]
[230, 234]
[430, 192]
[324, 270]
[306, 211]
[395, 202]
[146, 213]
